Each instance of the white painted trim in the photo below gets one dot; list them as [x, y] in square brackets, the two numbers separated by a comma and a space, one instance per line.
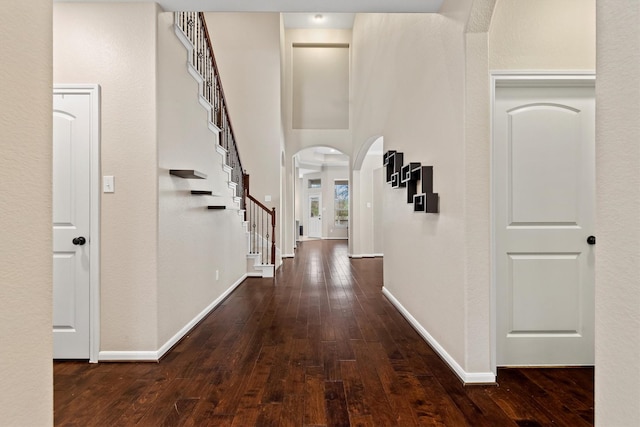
[335, 238]
[288, 256]
[93, 90]
[363, 151]
[542, 74]
[500, 78]
[128, 356]
[154, 356]
[367, 255]
[466, 377]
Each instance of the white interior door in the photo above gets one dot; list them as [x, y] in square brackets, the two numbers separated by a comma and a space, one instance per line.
[71, 224]
[544, 195]
[315, 216]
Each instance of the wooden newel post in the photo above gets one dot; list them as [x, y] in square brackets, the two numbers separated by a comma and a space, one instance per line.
[273, 236]
[245, 183]
[245, 191]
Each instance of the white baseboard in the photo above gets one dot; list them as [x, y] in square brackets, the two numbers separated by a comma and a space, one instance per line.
[466, 377]
[128, 356]
[335, 238]
[367, 256]
[154, 356]
[288, 256]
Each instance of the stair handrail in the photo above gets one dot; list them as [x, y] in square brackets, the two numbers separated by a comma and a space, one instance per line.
[250, 216]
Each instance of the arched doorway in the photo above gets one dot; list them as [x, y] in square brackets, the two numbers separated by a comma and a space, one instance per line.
[321, 194]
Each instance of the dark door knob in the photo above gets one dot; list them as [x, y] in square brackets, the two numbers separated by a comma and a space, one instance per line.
[591, 240]
[79, 241]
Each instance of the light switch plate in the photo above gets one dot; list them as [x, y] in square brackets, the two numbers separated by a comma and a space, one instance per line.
[267, 198]
[108, 184]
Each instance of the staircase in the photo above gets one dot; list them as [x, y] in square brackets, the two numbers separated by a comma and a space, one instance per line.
[259, 221]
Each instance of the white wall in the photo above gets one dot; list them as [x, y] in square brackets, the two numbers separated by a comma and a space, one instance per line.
[544, 34]
[298, 139]
[378, 177]
[435, 109]
[366, 209]
[419, 111]
[193, 242]
[618, 213]
[25, 184]
[247, 50]
[114, 45]
[320, 86]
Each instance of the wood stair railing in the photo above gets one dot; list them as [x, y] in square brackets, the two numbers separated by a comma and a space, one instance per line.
[194, 28]
[262, 225]
[261, 219]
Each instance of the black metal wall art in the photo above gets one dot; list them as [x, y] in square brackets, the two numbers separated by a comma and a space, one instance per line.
[407, 176]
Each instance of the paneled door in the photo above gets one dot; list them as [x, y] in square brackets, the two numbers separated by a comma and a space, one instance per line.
[544, 206]
[71, 224]
[315, 216]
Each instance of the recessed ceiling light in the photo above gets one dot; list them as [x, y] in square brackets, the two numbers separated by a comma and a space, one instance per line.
[318, 17]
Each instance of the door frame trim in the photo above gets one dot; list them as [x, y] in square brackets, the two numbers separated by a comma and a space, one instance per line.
[93, 90]
[518, 78]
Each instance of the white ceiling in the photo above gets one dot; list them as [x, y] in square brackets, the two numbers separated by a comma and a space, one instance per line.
[326, 20]
[322, 156]
[311, 160]
[309, 6]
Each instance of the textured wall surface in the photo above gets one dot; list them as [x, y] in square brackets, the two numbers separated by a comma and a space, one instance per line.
[439, 266]
[247, 49]
[366, 204]
[193, 242]
[408, 86]
[618, 215]
[26, 394]
[114, 45]
[543, 34]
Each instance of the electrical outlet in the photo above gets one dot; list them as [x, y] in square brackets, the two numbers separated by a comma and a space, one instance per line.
[217, 274]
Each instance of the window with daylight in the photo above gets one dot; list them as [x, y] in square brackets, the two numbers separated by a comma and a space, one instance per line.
[341, 203]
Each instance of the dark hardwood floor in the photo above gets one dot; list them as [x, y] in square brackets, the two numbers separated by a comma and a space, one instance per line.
[322, 347]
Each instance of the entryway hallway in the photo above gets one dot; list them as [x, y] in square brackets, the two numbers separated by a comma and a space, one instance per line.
[321, 347]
